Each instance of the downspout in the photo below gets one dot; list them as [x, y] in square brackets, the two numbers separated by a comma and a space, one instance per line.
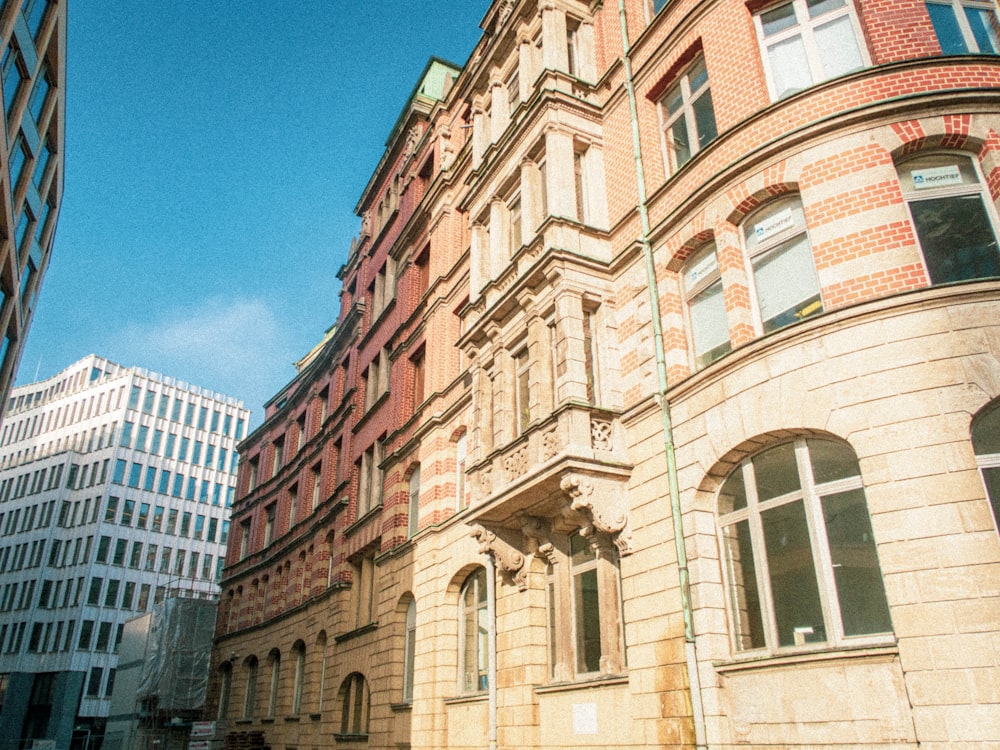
[697, 708]
[491, 648]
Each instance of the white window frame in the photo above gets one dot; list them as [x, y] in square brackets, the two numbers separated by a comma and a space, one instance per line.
[986, 460]
[413, 516]
[965, 189]
[686, 112]
[477, 584]
[805, 27]
[696, 279]
[774, 243]
[810, 494]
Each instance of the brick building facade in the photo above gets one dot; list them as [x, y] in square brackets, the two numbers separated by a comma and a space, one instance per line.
[661, 410]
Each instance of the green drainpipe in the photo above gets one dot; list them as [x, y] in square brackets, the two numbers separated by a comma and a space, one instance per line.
[661, 395]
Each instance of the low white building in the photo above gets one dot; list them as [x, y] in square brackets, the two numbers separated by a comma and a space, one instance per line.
[115, 487]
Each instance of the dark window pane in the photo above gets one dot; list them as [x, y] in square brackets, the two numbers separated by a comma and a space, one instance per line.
[983, 23]
[832, 461]
[776, 472]
[704, 116]
[992, 478]
[797, 611]
[733, 495]
[744, 596]
[956, 237]
[588, 622]
[986, 433]
[946, 27]
[863, 608]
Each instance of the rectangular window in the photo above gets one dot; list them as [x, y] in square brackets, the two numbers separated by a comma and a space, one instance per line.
[119, 556]
[157, 518]
[103, 549]
[706, 306]
[268, 524]
[805, 42]
[185, 524]
[164, 487]
[150, 478]
[171, 521]
[965, 26]
[134, 474]
[688, 116]
[111, 595]
[112, 511]
[136, 556]
[522, 393]
[119, 475]
[150, 563]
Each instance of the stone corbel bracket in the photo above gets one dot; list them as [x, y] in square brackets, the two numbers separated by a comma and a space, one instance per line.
[604, 503]
[538, 538]
[507, 557]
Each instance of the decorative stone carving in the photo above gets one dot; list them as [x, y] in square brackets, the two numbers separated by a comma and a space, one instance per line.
[412, 138]
[504, 13]
[508, 559]
[486, 481]
[516, 463]
[550, 442]
[366, 224]
[537, 535]
[604, 503]
[600, 434]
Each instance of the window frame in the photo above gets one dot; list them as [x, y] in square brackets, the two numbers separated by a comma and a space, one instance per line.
[987, 459]
[806, 30]
[963, 190]
[781, 241]
[959, 10]
[694, 291]
[811, 495]
[355, 706]
[473, 610]
[689, 98]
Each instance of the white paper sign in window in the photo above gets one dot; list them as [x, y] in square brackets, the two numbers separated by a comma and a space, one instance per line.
[933, 177]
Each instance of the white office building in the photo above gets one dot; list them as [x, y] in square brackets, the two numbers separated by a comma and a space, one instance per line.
[115, 487]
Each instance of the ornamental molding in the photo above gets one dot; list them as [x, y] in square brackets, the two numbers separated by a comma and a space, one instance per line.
[603, 504]
[508, 559]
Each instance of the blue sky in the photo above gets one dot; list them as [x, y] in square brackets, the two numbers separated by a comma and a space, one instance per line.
[214, 155]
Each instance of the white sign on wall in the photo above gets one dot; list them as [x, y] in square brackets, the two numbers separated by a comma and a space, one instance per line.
[585, 718]
[933, 177]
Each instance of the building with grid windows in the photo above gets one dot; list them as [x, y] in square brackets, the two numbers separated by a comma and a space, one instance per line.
[33, 33]
[115, 488]
[663, 405]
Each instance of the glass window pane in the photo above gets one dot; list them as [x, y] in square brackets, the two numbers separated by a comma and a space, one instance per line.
[956, 237]
[797, 611]
[704, 117]
[778, 19]
[946, 27]
[983, 23]
[709, 326]
[986, 432]
[863, 608]
[819, 7]
[787, 287]
[789, 67]
[743, 593]
[992, 478]
[832, 461]
[733, 495]
[776, 473]
[680, 141]
[838, 47]
[588, 622]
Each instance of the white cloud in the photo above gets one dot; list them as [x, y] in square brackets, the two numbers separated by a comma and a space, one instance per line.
[236, 346]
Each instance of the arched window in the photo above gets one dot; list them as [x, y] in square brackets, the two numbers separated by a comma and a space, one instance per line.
[250, 695]
[409, 650]
[354, 705]
[274, 659]
[951, 216]
[706, 307]
[986, 443]
[299, 652]
[473, 632]
[781, 262]
[225, 687]
[800, 557]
